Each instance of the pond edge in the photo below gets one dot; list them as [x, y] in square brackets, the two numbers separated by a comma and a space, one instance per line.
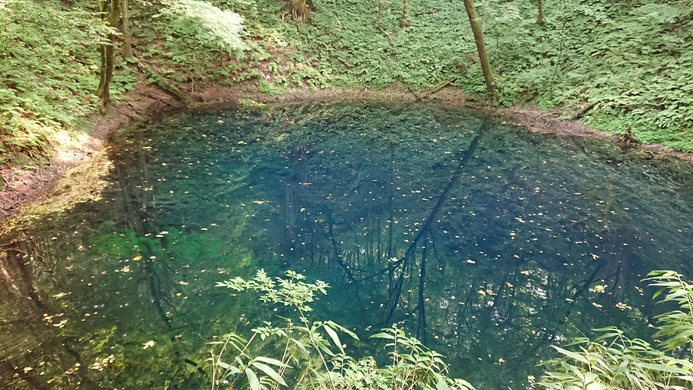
[27, 194]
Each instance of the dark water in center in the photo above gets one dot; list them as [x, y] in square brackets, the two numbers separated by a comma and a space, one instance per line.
[487, 242]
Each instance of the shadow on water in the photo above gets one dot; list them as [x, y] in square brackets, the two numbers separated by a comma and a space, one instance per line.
[486, 242]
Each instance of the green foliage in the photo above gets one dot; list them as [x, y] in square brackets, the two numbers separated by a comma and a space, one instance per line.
[289, 292]
[209, 25]
[615, 361]
[676, 327]
[614, 68]
[267, 87]
[192, 42]
[47, 64]
[620, 69]
[360, 43]
[312, 354]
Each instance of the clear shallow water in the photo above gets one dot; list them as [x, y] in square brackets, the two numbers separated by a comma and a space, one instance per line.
[536, 240]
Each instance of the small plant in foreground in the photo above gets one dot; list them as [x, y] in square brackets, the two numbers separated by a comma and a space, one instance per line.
[614, 361]
[311, 353]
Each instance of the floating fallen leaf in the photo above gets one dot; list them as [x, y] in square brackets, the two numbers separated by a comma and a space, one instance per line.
[60, 324]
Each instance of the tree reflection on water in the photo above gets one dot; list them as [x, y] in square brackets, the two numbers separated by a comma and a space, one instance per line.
[485, 241]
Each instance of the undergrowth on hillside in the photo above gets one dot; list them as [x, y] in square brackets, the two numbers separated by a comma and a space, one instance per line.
[50, 64]
[191, 41]
[616, 68]
[48, 57]
[614, 65]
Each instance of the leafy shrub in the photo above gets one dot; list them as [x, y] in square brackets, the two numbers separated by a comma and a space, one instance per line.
[210, 25]
[311, 352]
[615, 361]
[312, 355]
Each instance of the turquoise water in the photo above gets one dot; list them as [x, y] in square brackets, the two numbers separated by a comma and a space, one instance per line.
[487, 242]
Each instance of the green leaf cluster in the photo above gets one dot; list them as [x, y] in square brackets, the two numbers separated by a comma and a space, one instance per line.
[312, 353]
[615, 361]
[209, 25]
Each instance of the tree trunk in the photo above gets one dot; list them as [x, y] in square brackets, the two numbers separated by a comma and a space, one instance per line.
[127, 34]
[299, 10]
[106, 75]
[480, 45]
[112, 8]
[540, 13]
[404, 22]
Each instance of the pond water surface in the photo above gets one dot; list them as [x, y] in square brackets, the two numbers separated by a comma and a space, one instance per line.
[485, 241]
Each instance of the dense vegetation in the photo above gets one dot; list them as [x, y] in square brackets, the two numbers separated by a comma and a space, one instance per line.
[313, 355]
[616, 65]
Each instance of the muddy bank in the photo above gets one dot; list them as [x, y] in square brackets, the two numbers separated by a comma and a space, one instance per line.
[22, 186]
[82, 165]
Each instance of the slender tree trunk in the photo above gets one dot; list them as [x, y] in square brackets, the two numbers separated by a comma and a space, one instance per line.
[404, 22]
[127, 34]
[540, 13]
[480, 45]
[112, 8]
[102, 91]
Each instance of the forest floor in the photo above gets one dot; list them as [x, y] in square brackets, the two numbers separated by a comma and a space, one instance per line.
[75, 173]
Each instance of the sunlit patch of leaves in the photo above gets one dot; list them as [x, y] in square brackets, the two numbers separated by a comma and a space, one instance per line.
[211, 25]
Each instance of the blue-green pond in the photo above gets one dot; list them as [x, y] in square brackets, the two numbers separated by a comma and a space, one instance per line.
[486, 241]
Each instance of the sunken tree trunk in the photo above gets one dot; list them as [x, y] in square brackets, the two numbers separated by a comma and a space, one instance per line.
[111, 9]
[480, 45]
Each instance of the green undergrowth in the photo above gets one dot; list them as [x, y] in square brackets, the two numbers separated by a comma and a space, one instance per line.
[192, 42]
[45, 76]
[49, 68]
[614, 65]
